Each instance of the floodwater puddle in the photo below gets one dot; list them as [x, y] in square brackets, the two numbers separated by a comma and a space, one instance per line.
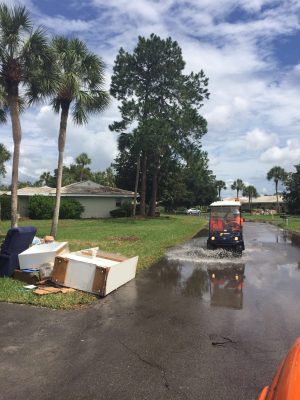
[218, 277]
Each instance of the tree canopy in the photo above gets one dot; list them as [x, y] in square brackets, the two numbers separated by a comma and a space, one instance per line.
[4, 156]
[292, 193]
[79, 91]
[26, 61]
[238, 185]
[159, 107]
[277, 174]
[251, 192]
[220, 185]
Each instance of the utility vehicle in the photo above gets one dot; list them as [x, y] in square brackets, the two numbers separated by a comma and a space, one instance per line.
[226, 226]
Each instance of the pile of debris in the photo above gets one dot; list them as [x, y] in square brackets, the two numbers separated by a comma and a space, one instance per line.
[49, 267]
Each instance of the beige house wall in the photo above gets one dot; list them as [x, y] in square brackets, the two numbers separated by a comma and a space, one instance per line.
[94, 207]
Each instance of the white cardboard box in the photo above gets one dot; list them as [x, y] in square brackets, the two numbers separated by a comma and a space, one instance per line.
[93, 271]
[40, 254]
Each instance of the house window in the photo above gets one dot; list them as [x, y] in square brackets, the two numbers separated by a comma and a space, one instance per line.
[118, 203]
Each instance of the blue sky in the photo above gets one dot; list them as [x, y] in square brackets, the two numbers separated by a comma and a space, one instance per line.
[250, 50]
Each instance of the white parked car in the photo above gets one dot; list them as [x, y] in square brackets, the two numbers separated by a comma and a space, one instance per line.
[193, 211]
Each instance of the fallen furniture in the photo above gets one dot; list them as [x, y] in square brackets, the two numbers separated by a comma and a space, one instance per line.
[93, 271]
[17, 240]
[30, 276]
[40, 254]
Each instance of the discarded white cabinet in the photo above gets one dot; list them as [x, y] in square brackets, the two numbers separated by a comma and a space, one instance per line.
[93, 271]
[40, 254]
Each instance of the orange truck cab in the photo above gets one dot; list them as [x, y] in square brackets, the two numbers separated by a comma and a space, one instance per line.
[286, 383]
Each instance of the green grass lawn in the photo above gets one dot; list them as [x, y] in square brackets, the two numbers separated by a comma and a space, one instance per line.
[147, 238]
[293, 221]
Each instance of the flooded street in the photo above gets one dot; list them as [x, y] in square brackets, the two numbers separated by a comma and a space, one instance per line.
[245, 308]
[197, 325]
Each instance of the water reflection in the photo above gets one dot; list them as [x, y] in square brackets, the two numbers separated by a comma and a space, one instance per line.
[295, 240]
[221, 282]
[167, 274]
[197, 284]
[226, 286]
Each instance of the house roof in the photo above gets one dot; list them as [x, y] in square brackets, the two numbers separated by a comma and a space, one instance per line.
[259, 200]
[84, 189]
[31, 191]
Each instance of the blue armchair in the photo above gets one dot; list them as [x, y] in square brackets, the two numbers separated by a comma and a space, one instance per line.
[17, 240]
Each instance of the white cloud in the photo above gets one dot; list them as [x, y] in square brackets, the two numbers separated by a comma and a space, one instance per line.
[258, 139]
[286, 156]
[248, 89]
[62, 25]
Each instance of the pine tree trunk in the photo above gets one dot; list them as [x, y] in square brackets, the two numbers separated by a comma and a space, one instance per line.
[13, 101]
[143, 186]
[61, 149]
[154, 193]
[136, 184]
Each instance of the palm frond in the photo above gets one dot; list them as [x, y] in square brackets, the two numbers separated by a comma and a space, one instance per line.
[55, 103]
[14, 22]
[40, 70]
[81, 78]
[3, 116]
[79, 114]
[12, 19]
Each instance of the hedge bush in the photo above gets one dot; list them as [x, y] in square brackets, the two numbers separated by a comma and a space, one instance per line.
[5, 202]
[70, 209]
[118, 213]
[128, 208]
[42, 207]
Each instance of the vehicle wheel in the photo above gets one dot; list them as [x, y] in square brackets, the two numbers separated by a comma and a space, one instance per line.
[190, 213]
[210, 247]
[238, 251]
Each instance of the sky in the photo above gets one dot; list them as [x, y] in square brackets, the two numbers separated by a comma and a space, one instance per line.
[250, 51]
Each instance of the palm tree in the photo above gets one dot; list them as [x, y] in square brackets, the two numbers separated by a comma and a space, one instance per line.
[46, 179]
[80, 86]
[82, 160]
[26, 61]
[238, 185]
[250, 191]
[4, 156]
[277, 174]
[220, 185]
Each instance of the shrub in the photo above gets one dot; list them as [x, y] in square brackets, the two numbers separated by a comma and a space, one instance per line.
[40, 207]
[128, 208]
[70, 209]
[5, 202]
[118, 213]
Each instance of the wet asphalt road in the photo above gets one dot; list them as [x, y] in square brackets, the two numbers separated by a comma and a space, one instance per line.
[194, 326]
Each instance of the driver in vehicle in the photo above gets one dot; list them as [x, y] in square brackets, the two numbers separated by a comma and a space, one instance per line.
[233, 220]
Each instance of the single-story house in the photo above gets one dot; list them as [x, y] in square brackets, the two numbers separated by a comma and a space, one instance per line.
[266, 202]
[97, 200]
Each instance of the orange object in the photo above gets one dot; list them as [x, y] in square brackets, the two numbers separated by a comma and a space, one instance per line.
[48, 239]
[216, 225]
[286, 383]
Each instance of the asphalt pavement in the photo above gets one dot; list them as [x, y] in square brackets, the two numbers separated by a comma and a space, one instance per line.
[197, 325]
